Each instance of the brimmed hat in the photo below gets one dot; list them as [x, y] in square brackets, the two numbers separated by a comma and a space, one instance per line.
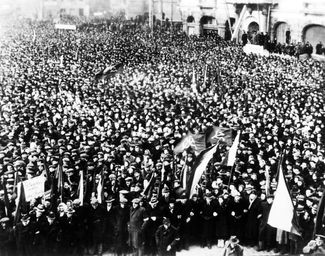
[123, 200]
[320, 236]
[110, 199]
[233, 240]
[4, 219]
[25, 217]
[136, 200]
[166, 220]
[70, 210]
[153, 200]
[40, 208]
[51, 215]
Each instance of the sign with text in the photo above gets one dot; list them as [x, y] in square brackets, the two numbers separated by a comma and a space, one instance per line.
[34, 187]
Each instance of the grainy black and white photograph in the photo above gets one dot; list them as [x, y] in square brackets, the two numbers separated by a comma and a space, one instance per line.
[162, 127]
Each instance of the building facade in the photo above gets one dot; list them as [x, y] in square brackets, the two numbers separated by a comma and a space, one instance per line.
[283, 20]
[52, 9]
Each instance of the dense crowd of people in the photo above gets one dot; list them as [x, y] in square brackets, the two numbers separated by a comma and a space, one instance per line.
[288, 48]
[122, 128]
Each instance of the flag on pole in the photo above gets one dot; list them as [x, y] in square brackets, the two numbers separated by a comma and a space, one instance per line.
[282, 214]
[6, 200]
[81, 187]
[198, 168]
[217, 78]
[220, 134]
[21, 204]
[163, 171]
[59, 176]
[100, 186]
[148, 189]
[109, 71]
[318, 228]
[205, 76]
[184, 175]
[267, 182]
[194, 84]
[196, 141]
[230, 158]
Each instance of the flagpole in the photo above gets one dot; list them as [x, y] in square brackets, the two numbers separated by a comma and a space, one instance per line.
[231, 174]
[183, 173]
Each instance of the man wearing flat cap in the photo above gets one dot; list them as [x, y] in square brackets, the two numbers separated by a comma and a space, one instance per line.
[6, 237]
[110, 222]
[166, 239]
[39, 223]
[135, 225]
[154, 215]
[267, 233]
[52, 234]
[253, 216]
[122, 212]
[96, 226]
[24, 234]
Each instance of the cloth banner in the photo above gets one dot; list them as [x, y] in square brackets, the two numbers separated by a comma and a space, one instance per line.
[34, 187]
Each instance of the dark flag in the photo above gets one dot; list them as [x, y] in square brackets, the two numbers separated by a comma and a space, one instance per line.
[185, 175]
[6, 199]
[100, 186]
[198, 168]
[320, 217]
[109, 71]
[21, 205]
[217, 78]
[59, 176]
[220, 134]
[148, 190]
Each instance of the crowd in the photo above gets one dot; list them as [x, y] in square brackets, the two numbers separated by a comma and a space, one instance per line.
[288, 48]
[122, 129]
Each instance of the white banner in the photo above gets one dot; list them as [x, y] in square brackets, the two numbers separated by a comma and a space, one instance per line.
[255, 49]
[34, 187]
[65, 26]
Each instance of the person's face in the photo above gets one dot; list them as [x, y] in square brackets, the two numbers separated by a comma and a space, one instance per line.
[165, 194]
[135, 205]
[38, 214]
[25, 222]
[50, 221]
[252, 197]
[167, 225]
[4, 225]
[319, 241]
